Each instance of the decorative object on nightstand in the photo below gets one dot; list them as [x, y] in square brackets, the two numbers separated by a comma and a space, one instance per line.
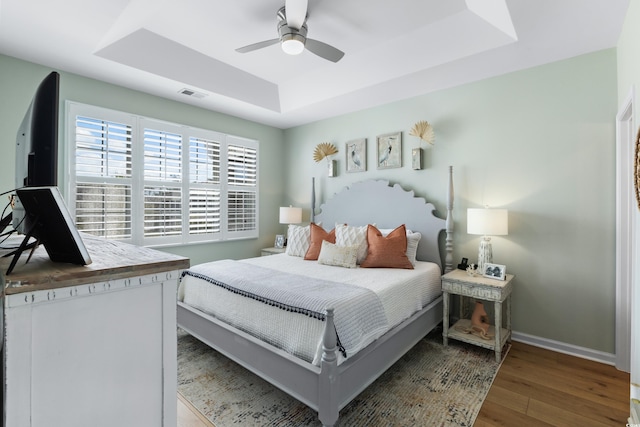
[495, 271]
[289, 215]
[487, 222]
[477, 330]
[472, 270]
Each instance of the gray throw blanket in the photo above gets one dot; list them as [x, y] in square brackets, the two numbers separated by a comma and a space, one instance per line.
[358, 312]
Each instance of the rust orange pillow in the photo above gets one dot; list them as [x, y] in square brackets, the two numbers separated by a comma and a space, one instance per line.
[387, 252]
[318, 234]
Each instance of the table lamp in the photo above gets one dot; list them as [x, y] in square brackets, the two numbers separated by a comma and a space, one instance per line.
[290, 215]
[487, 222]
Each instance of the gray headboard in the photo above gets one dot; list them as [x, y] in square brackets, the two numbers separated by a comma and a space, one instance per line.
[387, 206]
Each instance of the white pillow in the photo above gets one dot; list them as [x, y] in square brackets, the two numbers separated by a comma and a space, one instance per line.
[339, 256]
[347, 235]
[298, 238]
[412, 246]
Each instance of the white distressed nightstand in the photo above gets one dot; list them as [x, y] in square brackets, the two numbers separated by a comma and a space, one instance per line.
[458, 282]
[272, 251]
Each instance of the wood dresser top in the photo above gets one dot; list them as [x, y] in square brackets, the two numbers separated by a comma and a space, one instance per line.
[110, 261]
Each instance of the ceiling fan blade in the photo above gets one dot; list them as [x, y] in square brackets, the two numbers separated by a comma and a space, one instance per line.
[296, 12]
[324, 50]
[256, 46]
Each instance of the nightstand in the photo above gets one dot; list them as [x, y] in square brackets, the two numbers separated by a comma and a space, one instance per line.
[272, 251]
[458, 282]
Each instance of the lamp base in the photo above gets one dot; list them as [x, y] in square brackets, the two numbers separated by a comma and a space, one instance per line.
[485, 253]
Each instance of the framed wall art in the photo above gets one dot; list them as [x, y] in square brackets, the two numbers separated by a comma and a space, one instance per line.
[389, 148]
[356, 155]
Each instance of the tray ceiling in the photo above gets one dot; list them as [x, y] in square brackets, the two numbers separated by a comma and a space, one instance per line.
[393, 50]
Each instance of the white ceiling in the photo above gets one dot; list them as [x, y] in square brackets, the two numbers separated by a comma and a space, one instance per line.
[393, 49]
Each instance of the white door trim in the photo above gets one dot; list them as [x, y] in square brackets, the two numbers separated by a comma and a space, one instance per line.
[625, 230]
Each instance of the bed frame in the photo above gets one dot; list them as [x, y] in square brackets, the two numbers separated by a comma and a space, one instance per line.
[330, 387]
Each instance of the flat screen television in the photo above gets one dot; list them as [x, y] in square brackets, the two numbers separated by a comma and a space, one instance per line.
[37, 144]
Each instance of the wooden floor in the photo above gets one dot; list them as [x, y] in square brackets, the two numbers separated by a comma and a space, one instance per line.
[188, 416]
[534, 387]
[537, 387]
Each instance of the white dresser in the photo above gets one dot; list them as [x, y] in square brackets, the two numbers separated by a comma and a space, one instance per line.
[91, 345]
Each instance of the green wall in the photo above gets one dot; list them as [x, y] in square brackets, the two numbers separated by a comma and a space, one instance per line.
[18, 82]
[539, 142]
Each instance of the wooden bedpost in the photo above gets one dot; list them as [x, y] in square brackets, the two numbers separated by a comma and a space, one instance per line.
[448, 258]
[329, 383]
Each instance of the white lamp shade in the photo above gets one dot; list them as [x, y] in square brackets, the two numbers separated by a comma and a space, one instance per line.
[488, 222]
[290, 215]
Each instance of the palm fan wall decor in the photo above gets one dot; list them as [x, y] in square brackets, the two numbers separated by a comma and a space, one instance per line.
[424, 131]
[323, 150]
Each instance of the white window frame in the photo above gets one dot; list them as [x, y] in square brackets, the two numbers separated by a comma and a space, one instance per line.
[139, 124]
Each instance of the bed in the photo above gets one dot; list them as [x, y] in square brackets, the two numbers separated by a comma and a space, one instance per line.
[328, 372]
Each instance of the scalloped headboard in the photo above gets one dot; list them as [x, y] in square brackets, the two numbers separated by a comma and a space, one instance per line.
[376, 202]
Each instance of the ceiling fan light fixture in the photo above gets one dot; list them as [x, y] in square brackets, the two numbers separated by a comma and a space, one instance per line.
[292, 46]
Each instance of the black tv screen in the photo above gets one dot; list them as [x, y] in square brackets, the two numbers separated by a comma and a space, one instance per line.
[52, 225]
[37, 143]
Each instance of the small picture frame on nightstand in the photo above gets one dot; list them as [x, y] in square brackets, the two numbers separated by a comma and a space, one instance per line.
[495, 271]
[279, 243]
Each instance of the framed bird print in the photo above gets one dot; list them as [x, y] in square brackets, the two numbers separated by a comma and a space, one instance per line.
[356, 155]
[389, 148]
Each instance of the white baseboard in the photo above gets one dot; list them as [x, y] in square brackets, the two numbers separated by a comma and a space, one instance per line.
[560, 347]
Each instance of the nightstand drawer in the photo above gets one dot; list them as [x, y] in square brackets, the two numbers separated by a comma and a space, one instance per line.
[271, 251]
[482, 292]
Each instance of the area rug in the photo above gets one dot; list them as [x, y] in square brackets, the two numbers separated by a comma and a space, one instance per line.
[431, 385]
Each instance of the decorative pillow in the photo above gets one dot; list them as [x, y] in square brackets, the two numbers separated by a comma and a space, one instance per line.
[387, 252]
[386, 231]
[315, 244]
[298, 240]
[413, 238]
[340, 256]
[347, 235]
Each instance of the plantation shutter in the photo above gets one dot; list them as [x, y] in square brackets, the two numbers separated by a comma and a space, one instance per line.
[103, 177]
[205, 213]
[242, 194]
[162, 183]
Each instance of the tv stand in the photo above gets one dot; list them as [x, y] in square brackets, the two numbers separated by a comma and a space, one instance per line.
[4, 222]
[82, 342]
[24, 245]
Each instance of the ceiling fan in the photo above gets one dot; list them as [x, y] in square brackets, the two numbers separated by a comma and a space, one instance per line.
[292, 31]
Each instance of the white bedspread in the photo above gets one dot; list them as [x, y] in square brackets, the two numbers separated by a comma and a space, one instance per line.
[402, 293]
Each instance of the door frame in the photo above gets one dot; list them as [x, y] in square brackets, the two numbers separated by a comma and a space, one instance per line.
[625, 229]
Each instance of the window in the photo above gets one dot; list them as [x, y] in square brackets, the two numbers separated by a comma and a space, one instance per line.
[156, 183]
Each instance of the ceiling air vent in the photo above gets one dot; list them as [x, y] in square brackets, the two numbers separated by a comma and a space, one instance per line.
[191, 92]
